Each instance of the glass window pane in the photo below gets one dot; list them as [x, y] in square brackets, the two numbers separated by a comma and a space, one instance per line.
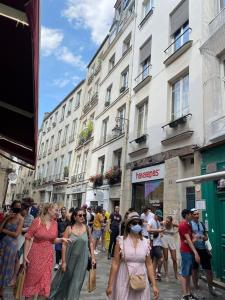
[185, 95]
[176, 100]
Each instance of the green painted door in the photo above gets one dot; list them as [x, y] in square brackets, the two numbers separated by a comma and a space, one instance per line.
[221, 233]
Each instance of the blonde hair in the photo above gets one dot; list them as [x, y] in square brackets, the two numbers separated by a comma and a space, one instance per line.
[45, 209]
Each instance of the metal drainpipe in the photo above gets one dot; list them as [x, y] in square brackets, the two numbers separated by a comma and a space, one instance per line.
[122, 194]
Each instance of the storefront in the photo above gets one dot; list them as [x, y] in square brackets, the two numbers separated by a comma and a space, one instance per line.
[148, 187]
[213, 160]
[75, 196]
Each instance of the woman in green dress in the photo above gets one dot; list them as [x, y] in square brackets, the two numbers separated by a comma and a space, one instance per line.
[68, 281]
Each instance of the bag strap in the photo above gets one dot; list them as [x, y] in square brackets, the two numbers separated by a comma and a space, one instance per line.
[88, 235]
[204, 229]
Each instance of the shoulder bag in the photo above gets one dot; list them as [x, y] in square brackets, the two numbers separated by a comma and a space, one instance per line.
[136, 282]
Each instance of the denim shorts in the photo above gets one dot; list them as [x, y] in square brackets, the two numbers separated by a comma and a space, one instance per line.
[96, 234]
[187, 262]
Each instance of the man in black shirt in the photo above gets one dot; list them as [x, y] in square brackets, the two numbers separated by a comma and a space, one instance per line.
[115, 220]
[63, 222]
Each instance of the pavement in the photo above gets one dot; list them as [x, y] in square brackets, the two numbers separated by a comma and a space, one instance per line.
[168, 290]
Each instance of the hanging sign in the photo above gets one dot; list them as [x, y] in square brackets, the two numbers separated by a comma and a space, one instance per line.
[149, 173]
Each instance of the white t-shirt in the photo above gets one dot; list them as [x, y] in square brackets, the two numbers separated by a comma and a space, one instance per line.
[156, 225]
[146, 218]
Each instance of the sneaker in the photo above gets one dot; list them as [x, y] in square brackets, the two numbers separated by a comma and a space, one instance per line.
[56, 267]
[212, 291]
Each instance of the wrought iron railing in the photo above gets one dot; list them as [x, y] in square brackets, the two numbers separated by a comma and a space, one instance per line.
[144, 74]
[178, 42]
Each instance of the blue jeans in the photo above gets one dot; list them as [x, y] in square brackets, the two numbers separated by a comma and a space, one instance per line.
[187, 262]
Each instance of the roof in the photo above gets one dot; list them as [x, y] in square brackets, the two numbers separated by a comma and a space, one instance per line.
[19, 53]
[97, 52]
[48, 114]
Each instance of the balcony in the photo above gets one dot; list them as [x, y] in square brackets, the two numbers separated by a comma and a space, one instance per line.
[143, 78]
[57, 147]
[94, 99]
[91, 103]
[98, 68]
[90, 79]
[63, 142]
[78, 178]
[217, 22]
[178, 47]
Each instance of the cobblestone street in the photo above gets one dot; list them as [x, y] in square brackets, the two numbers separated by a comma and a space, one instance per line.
[168, 290]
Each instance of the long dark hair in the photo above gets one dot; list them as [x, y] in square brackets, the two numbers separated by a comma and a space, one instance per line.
[74, 214]
[127, 230]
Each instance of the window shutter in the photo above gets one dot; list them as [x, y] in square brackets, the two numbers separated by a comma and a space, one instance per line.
[145, 50]
[179, 16]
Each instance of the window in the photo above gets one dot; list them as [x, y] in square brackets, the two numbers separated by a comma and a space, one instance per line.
[179, 24]
[112, 62]
[126, 2]
[69, 107]
[180, 97]
[54, 167]
[59, 136]
[51, 143]
[77, 166]
[104, 130]
[223, 76]
[55, 119]
[78, 99]
[74, 128]
[69, 159]
[142, 115]
[124, 79]
[121, 118]
[41, 149]
[147, 7]
[47, 169]
[145, 58]
[65, 133]
[96, 86]
[181, 36]
[42, 170]
[126, 43]
[46, 147]
[108, 95]
[89, 95]
[117, 158]
[190, 197]
[84, 163]
[61, 164]
[93, 70]
[101, 164]
[63, 113]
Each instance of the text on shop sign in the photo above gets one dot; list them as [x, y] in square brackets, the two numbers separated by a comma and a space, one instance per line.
[149, 173]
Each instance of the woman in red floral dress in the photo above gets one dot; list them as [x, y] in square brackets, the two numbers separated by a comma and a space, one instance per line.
[39, 254]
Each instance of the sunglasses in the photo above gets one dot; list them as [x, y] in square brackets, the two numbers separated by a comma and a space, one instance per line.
[136, 223]
[82, 215]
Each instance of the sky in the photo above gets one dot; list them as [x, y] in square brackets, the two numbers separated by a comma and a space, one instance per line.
[71, 32]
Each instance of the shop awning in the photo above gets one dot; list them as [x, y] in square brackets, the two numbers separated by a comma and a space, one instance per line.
[19, 65]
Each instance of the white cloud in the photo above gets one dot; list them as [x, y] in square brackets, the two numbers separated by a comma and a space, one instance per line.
[65, 55]
[95, 15]
[66, 79]
[51, 39]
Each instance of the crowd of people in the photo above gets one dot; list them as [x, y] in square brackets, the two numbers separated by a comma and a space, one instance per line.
[139, 245]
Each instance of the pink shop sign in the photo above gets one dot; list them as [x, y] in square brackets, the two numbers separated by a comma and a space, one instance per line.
[150, 173]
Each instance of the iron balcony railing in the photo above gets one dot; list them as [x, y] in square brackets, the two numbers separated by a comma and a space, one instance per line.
[78, 177]
[144, 74]
[178, 42]
[217, 22]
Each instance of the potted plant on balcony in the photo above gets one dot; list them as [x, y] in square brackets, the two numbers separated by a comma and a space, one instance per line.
[86, 133]
[113, 175]
[97, 180]
[66, 172]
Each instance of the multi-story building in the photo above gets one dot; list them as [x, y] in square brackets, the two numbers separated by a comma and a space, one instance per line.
[6, 167]
[56, 144]
[165, 118]
[24, 183]
[108, 154]
[79, 186]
